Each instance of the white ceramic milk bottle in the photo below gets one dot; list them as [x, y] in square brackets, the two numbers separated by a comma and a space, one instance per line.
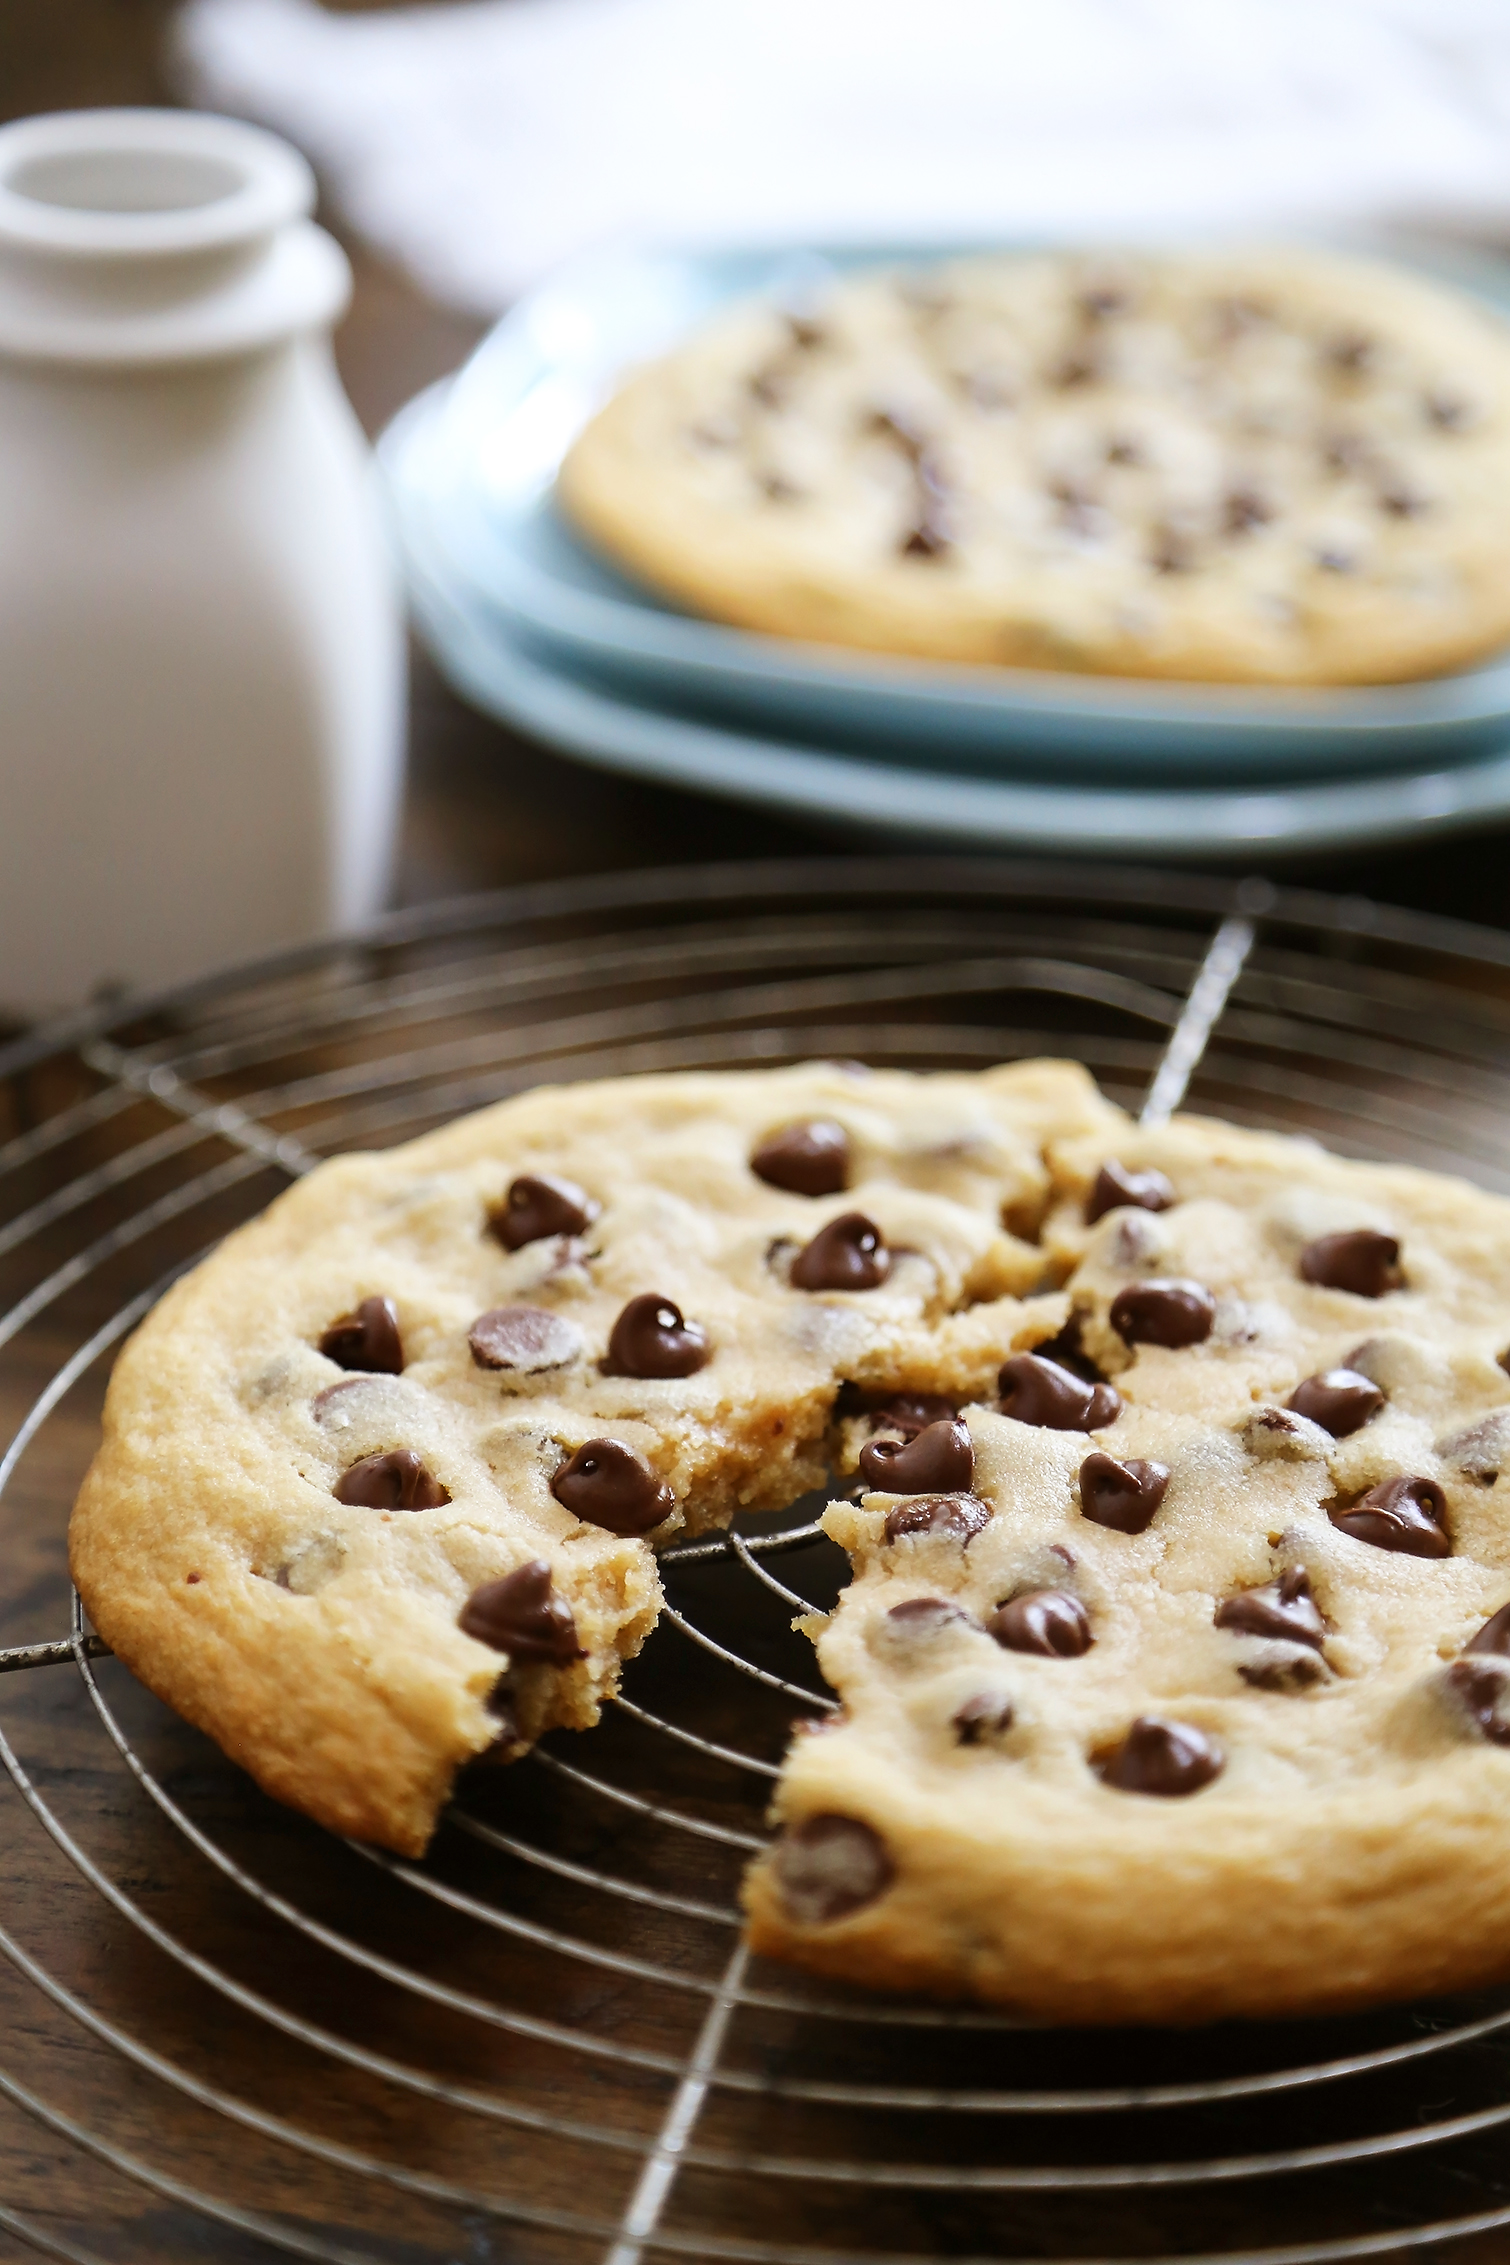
[201, 662]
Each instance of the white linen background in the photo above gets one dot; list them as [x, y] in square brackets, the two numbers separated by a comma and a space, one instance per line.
[482, 144]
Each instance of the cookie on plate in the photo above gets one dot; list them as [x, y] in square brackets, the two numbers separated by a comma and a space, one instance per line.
[381, 1480]
[1275, 466]
[1208, 1713]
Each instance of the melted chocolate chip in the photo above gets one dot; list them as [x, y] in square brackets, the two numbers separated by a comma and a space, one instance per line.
[961, 1516]
[1172, 552]
[394, 1480]
[1123, 1496]
[927, 1616]
[1494, 1636]
[912, 1412]
[1339, 1399]
[940, 1460]
[1479, 1685]
[1166, 1758]
[848, 1254]
[367, 1339]
[1039, 1391]
[1163, 1313]
[812, 1158]
[1362, 1261]
[986, 1714]
[1049, 1621]
[1284, 1608]
[1404, 1514]
[1245, 508]
[829, 1866]
[607, 1484]
[520, 1616]
[500, 1705]
[1351, 352]
[1116, 1186]
[540, 1204]
[651, 1338]
[527, 1338]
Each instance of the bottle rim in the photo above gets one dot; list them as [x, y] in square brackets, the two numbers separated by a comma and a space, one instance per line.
[144, 184]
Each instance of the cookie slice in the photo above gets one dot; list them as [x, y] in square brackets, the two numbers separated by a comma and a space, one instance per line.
[382, 1481]
[1206, 1712]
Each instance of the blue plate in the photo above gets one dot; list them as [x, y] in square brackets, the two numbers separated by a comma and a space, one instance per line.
[586, 718]
[484, 476]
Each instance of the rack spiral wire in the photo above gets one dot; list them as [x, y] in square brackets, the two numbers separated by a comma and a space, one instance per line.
[226, 2034]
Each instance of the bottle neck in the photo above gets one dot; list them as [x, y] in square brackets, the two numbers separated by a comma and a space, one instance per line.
[141, 237]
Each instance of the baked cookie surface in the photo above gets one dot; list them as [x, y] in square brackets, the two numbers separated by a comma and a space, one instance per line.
[1209, 1713]
[377, 1477]
[1286, 467]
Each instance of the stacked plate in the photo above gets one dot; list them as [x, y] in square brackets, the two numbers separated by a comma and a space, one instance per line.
[538, 629]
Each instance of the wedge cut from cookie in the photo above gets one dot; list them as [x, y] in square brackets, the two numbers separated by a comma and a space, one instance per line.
[382, 1481]
[1207, 1713]
[1255, 465]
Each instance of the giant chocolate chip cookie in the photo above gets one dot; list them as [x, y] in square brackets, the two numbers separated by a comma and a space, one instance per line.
[1279, 466]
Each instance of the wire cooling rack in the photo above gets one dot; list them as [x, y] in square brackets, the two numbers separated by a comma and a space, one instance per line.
[226, 2034]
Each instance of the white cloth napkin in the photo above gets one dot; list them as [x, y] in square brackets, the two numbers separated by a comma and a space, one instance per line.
[481, 144]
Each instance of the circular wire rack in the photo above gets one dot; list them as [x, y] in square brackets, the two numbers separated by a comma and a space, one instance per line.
[226, 2034]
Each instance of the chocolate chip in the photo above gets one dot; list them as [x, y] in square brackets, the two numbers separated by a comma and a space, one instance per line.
[961, 1516]
[526, 1338]
[940, 1460]
[508, 1740]
[1075, 369]
[539, 1204]
[1284, 1608]
[1481, 1451]
[1116, 1186]
[367, 1339]
[1362, 1261]
[927, 1616]
[1404, 1514]
[1166, 1758]
[1163, 1313]
[1351, 352]
[912, 1412]
[607, 1484]
[848, 1254]
[1494, 1636]
[1123, 1496]
[986, 1714]
[1448, 411]
[1338, 1399]
[1479, 1685]
[520, 1616]
[1039, 1391]
[1171, 552]
[394, 1480]
[651, 1338]
[829, 1866]
[1245, 508]
[1049, 1621]
[811, 1158]
[1400, 501]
